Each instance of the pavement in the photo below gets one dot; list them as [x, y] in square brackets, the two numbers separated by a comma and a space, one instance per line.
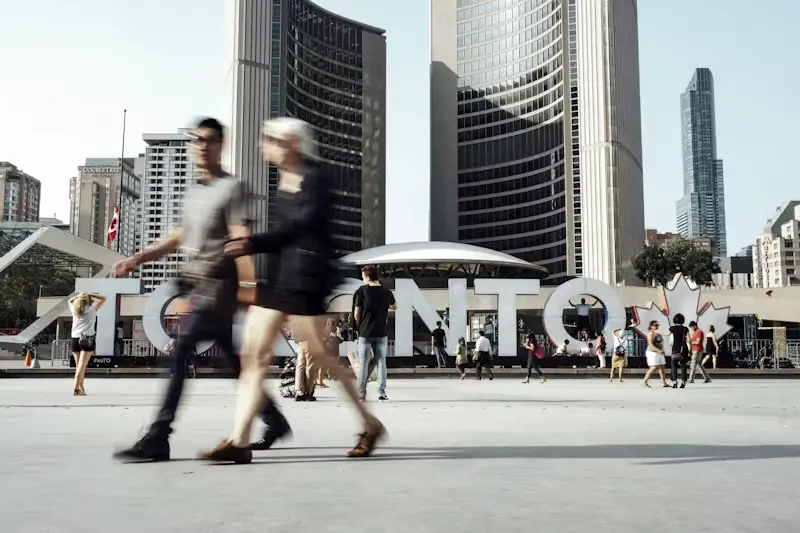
[463, 456]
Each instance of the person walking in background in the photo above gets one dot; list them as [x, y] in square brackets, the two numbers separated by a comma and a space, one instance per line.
[712, 347]
[483, 356]
[84, 307]
[304, 373]
[439, 344]
[680, 350]
[696, 341]
[533, 358]
[372, 304]
[656, 361]
[461, 358]
[619, 359]
[302, 245]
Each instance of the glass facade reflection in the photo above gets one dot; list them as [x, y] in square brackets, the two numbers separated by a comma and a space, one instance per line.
[511, 128]
[324, 64]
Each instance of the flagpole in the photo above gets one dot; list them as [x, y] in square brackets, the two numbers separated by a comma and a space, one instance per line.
[121, 179]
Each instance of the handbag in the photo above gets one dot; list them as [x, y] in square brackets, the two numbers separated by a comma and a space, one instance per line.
[539, 352]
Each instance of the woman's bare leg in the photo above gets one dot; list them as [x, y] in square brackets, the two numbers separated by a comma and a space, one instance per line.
[81, 364]
[648, 375]
[662, 373]
[313, 330]
[262, 328]
[715, 362]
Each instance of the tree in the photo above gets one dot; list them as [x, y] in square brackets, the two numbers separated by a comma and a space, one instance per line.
[20, 286]
[659, 264]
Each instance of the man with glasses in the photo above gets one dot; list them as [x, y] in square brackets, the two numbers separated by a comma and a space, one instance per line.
[214, 210]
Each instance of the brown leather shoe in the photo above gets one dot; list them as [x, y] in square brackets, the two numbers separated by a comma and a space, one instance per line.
[367, 442]
[226, 452]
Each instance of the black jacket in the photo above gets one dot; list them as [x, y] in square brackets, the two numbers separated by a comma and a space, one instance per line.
[302, 240]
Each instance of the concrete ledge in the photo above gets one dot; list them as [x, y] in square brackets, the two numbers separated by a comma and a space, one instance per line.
[408, 373]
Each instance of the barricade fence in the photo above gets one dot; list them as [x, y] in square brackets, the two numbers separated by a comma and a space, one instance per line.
[742, 353]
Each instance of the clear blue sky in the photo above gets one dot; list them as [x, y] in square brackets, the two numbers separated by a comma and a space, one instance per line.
[68, 68]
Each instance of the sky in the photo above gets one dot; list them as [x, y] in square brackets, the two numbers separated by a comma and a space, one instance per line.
[68, 69]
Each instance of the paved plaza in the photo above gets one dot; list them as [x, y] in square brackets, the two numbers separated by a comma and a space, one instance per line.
[463, 456]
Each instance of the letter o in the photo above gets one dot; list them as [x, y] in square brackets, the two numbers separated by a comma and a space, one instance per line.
[553, 315]
[155, 306]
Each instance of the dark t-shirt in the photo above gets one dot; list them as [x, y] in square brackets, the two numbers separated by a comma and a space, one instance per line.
[374, 302]
[438, 337]
[678, 339]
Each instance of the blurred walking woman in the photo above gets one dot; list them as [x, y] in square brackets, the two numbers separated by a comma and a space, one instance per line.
[712, 347]
[656, 359]
[84, 307]
[302, 244]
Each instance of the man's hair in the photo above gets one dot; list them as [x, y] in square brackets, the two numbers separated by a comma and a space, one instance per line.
[566, 341]
[212, 124]
[371, 271]
[439, 323]
[679, 319]
[480, 332]
[692, 324]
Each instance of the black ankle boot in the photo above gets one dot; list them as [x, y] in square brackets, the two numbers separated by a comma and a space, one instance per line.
[271, 435]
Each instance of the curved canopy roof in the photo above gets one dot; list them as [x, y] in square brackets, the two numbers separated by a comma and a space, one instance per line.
[473, 260]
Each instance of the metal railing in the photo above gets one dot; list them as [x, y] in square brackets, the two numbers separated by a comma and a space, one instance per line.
[750, 353]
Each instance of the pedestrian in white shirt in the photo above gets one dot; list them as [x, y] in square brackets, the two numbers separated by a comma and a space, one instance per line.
[483, 357]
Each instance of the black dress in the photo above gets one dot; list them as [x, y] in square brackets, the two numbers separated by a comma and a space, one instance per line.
[302, 274]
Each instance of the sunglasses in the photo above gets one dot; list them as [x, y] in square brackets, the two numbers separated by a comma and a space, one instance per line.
[200, 139]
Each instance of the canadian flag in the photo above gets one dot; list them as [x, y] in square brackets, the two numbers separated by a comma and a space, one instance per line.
[112, 227]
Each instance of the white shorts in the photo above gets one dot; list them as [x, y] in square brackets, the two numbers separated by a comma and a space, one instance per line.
[655, 358]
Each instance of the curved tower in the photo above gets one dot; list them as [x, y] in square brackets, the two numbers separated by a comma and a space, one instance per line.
[293, 58]
[535, 132]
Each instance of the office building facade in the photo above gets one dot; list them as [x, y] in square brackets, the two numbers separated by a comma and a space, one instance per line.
[776, 253]
[293, 58]
[94, 194]
[168, 171]
[20, 193]
[701, 210]
[536, 132]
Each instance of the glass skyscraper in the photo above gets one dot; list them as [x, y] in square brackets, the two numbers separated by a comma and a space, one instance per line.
[701, 211]
[536, 132]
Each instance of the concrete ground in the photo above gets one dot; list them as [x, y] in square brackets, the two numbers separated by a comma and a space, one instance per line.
[566, 456]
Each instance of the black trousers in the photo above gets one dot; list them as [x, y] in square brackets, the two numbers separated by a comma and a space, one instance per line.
[533, 364]
[484, 361]
[676, 360]
[202, 326]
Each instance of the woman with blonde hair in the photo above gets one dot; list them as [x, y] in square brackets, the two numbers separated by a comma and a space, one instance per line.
[302, 246]
[84, 307]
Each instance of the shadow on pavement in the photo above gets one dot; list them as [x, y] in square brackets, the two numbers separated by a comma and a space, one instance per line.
[657, 454]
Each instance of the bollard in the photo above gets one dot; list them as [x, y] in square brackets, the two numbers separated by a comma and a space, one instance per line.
[35, 363]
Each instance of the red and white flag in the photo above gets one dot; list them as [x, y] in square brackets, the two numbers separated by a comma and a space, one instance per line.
[112, 227]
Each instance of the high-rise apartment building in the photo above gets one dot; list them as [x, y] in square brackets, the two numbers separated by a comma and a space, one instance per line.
[653, 237]
[20, 193]
[536, 132]
[95, 192]
[168, 173]
[293, 58]
[701, 210]
[776, 253]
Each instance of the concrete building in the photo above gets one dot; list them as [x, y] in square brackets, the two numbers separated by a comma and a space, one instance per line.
[701, 211]
[536, 132]
[776, 253]
[293, 58]
[95, 192]
[652, 236]
[168, 173]
[20, 193]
